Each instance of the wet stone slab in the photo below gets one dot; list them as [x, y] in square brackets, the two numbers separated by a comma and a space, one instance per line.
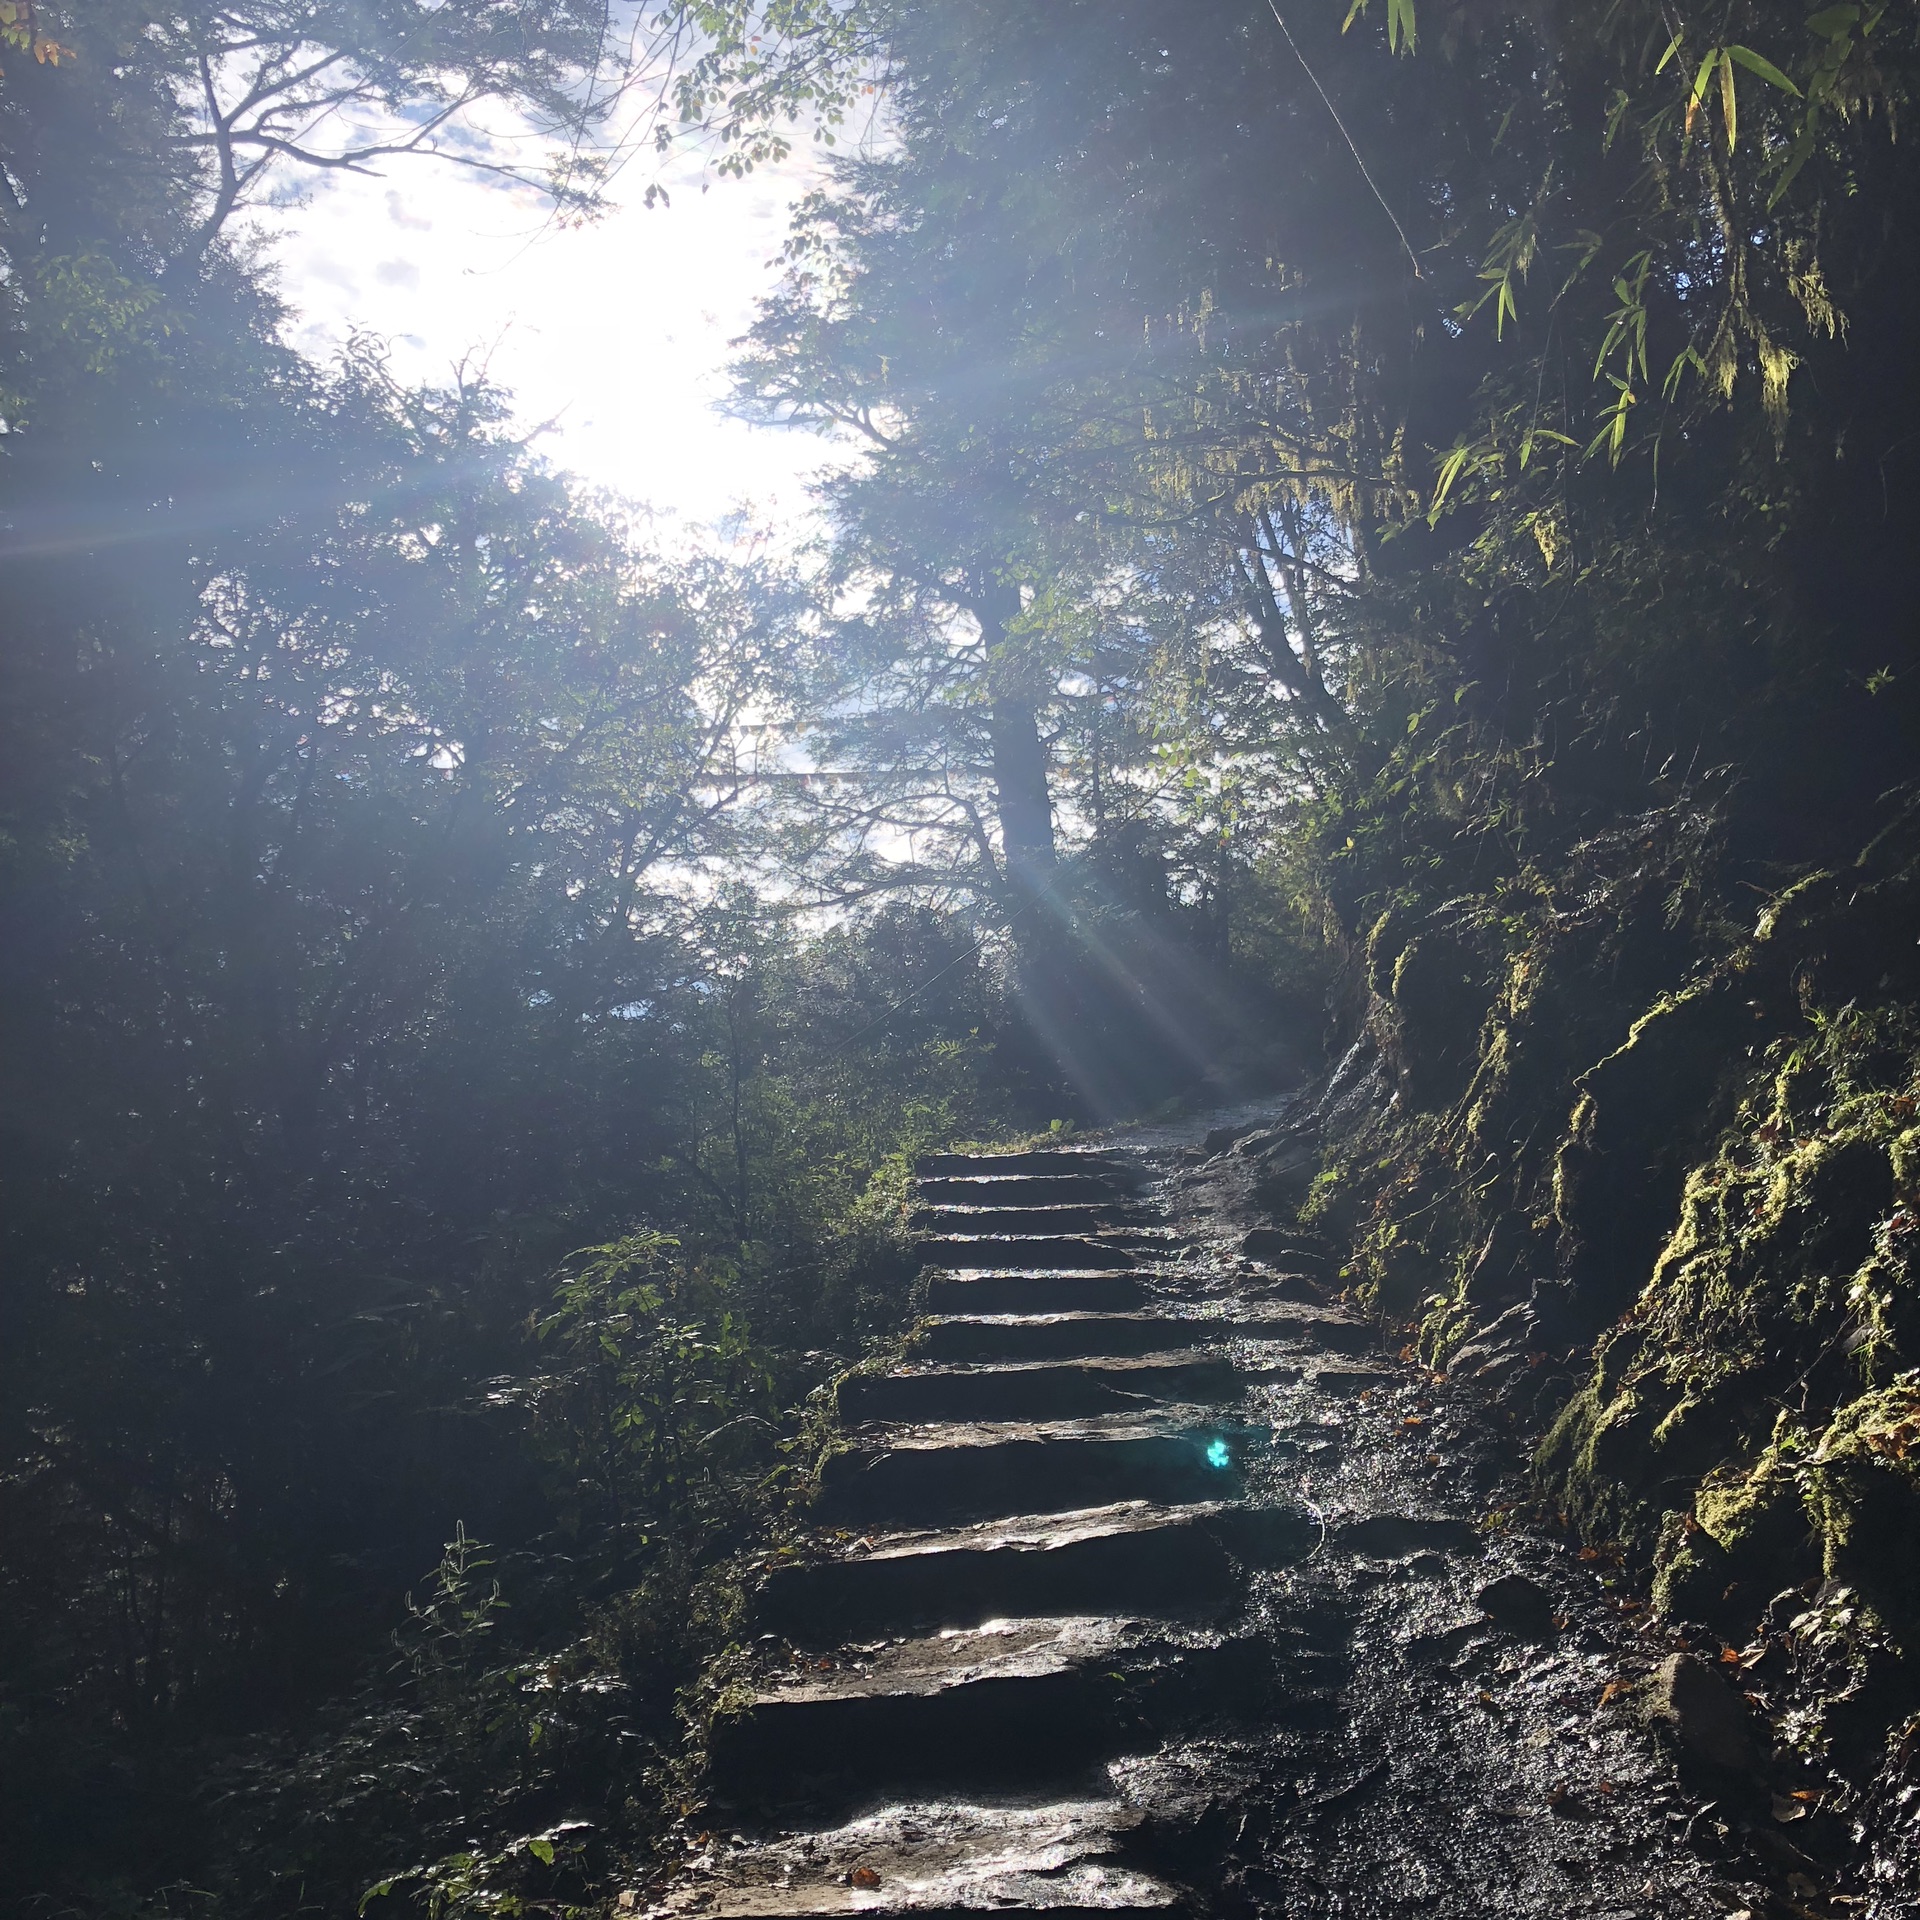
[1011, 1702]
[1039, 1389]
[1037, 1252]
[1026, 1190]
[992, 1215]
[1062, 1858]
[986, 1470]
[1023, 1292]
[1060, 1336]
[1133, 1557]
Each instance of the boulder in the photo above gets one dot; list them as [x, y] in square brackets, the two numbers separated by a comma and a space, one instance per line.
[1519, 1605]
[1707, 1718]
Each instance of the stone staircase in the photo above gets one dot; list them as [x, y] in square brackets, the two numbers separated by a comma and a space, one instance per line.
[1032, 1552]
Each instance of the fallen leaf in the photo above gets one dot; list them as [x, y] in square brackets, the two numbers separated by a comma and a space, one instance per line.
[1613, 1690]
[863, 1877]
[1786, 1807]
[1729, 1656]
[1414, 1420]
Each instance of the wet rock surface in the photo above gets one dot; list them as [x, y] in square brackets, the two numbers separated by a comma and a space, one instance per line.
[1205, 1604]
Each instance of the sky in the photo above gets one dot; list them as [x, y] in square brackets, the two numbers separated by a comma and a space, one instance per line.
[616, 333]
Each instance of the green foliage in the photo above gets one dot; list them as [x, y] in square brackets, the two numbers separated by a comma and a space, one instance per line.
[656, 1368]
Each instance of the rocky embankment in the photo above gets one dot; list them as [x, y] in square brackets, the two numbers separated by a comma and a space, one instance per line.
[1145, 1580]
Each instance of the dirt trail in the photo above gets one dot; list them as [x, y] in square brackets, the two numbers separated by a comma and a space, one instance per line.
[1147, 1583]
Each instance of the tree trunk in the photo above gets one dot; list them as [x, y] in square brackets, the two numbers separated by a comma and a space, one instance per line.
[1021, 795]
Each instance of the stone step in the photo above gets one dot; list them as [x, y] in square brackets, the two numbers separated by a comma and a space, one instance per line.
[1279, 1248]
[1043, 1252]
[964, 1220]
[937, 1475]
[934, 1860]
[1038, 1389]
[1066, 1336]
[1026, 1190]
[1046, 1160]
[1012, 1703]
[1134, 1558]
[1060, 1336]
[1331, 1328]
[1089, 1292]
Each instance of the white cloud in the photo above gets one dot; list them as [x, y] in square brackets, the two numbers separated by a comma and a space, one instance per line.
[401, 216]
[617, 332]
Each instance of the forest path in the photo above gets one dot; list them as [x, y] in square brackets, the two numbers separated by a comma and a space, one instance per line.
[1146, 1583]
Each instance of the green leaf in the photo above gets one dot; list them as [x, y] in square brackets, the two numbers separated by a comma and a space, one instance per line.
[1767, 71]
[1831, 21]
[542, 1849]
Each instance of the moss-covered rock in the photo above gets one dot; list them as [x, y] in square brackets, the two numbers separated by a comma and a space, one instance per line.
[1692, 1150]
[1863, 1492]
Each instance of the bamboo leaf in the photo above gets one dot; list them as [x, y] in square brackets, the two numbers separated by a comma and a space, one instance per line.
[1755, 63]
[1729, 110]
[1831, 22]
